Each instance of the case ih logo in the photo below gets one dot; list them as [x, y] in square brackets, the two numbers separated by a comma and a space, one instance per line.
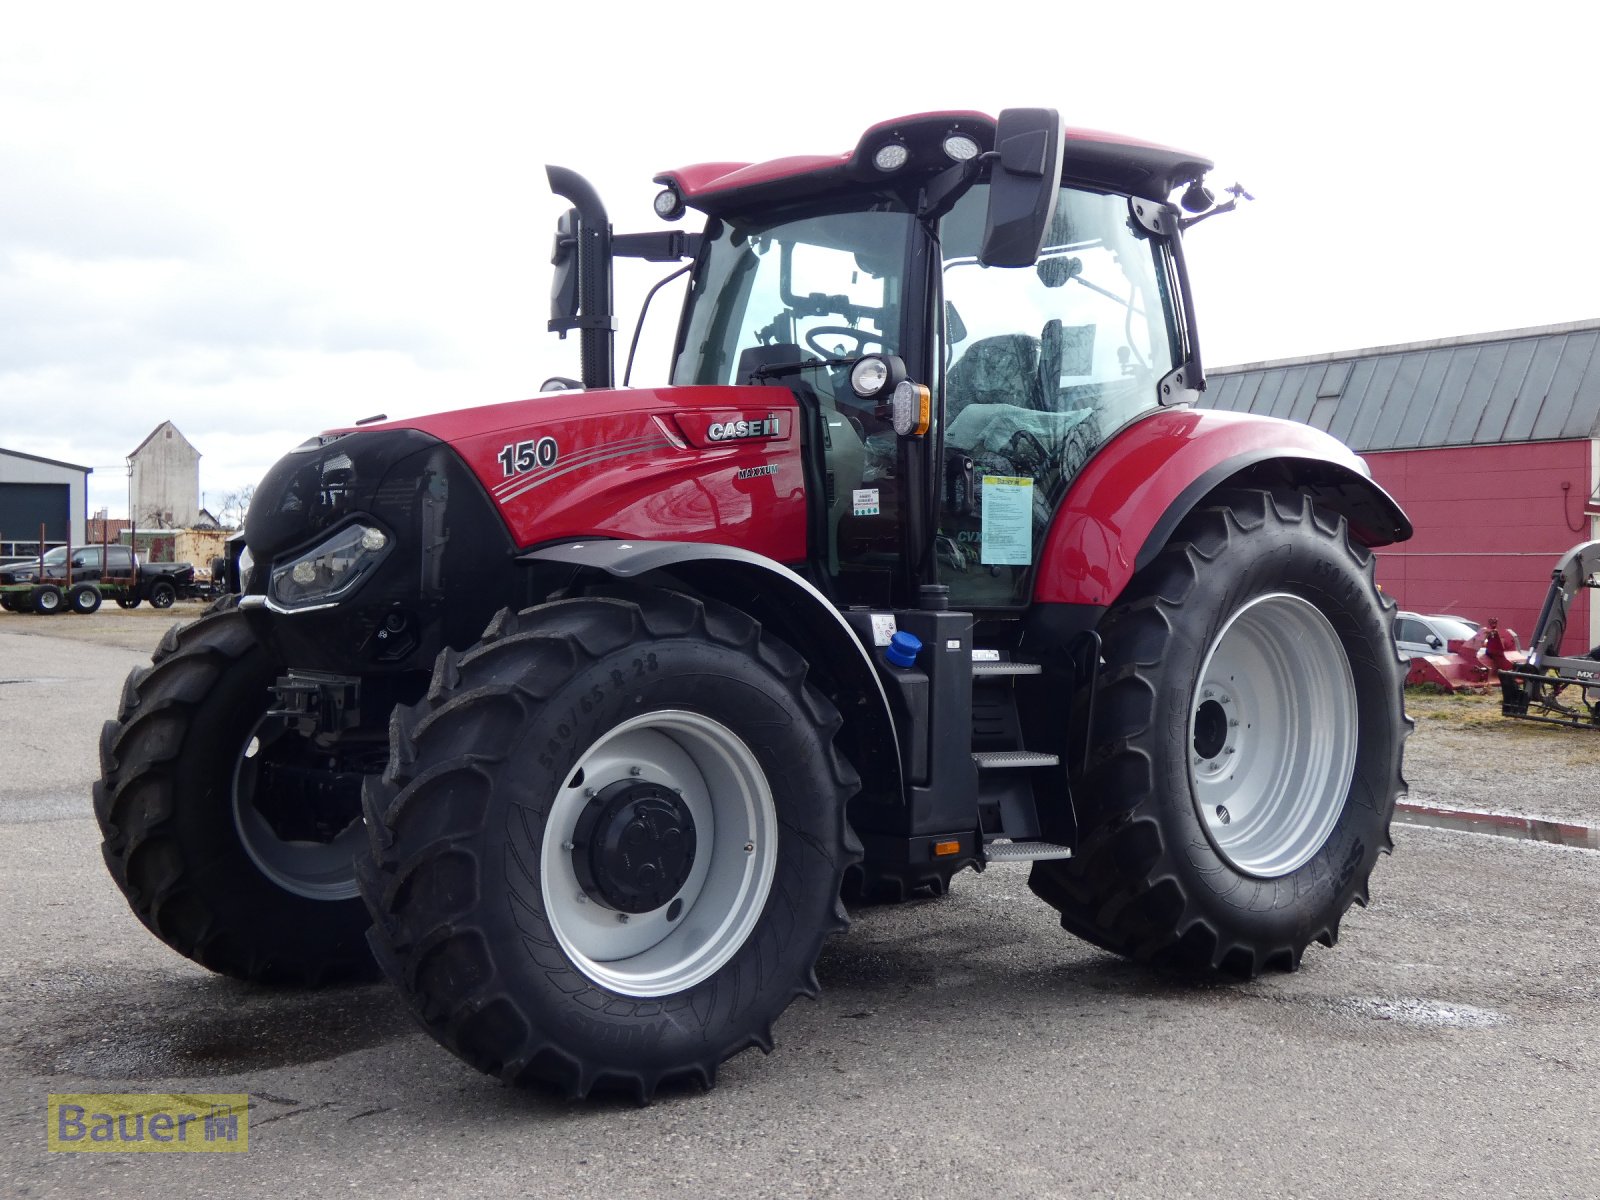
[727, 431]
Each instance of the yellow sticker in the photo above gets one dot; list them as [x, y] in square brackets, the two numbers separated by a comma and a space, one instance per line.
[125, 1123]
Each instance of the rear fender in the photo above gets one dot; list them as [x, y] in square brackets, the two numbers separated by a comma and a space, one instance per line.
[1129, 498]
[782, 602]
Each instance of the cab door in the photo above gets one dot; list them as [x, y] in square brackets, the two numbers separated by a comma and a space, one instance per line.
[1042, 365]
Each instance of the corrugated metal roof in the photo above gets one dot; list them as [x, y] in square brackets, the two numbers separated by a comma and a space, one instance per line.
[1522, 385]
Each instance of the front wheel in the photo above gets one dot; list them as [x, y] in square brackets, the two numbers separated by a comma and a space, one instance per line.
[232, 838]
[610, 843]
[1246, 748]
[128, 599]
[46, 598]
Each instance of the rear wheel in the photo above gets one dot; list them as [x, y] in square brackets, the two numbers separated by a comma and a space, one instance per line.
[162, 594]
[609, 843]
[84, 598]
[128, 599]
[1246, 747]
[46, 598]
[232, 840]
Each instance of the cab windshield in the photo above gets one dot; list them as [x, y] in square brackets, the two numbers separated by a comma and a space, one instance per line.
[817, 287]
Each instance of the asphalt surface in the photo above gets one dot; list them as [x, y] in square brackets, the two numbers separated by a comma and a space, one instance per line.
[962, 1047]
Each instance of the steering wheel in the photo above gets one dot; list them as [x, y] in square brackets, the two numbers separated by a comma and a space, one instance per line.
[861, 337]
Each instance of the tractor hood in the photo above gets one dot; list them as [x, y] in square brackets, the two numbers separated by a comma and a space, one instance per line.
[693, 463]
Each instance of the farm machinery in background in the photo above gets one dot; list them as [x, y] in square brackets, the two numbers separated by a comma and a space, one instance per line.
[72, 579]
[1549, 686]
[1457, 664]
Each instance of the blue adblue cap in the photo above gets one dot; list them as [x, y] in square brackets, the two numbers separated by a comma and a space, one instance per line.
[903, 649]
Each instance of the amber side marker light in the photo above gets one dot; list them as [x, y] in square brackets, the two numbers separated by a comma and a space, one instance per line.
[944, 849]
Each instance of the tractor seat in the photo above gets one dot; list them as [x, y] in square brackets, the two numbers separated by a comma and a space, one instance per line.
[994, 370]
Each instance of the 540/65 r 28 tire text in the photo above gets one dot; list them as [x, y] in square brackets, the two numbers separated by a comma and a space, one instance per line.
[609, 843]
[1245, 761]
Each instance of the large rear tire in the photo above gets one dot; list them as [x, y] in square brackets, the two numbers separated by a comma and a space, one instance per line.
[609, 843]
[1246, 748]
[192, 836]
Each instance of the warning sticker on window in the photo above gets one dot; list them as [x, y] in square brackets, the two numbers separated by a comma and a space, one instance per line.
[1007, 521]
[864, 502]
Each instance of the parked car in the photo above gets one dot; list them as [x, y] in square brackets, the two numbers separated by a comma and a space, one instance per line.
[159, 583]
[1415, 633]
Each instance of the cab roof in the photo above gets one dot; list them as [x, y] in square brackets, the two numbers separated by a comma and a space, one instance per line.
[1106, 160]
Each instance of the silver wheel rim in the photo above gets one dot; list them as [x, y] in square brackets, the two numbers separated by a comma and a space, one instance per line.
[315, 870]
[709, 918]
[1272, 735]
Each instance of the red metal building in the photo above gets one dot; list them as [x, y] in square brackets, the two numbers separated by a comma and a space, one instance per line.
[1491, 443]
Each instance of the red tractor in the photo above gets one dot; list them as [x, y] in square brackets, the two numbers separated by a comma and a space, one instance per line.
[574, 716]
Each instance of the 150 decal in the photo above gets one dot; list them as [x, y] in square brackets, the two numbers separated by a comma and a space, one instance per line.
[519, 457]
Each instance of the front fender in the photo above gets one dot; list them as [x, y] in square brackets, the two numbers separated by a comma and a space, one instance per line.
[1124, 505]
[784, 603]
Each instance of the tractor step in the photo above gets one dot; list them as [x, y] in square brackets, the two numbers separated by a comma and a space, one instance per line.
[981, 669]
[1001, 760]
[1025, 851]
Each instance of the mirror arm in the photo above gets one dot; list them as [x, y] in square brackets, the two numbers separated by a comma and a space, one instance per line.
[948, 186]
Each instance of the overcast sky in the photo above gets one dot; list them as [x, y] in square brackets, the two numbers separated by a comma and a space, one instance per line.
[261, 221]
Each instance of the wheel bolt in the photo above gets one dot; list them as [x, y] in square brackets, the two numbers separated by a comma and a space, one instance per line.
[622, 918]
[749, 847]
[636, 771]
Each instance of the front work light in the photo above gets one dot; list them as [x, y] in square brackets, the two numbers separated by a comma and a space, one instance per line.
[331, 569]
[911, 409]
[958, 147]
[669, 204]
[891, 157]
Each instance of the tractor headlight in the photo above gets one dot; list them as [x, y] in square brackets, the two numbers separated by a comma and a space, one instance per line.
[868, 377]
[330, 569]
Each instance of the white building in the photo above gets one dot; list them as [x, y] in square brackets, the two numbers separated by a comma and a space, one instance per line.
[165, 471]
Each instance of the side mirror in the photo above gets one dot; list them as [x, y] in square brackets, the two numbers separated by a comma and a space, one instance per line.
[1434, 641]
[1023, 186]
[564, 279]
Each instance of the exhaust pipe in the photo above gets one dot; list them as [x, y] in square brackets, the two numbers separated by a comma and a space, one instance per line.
[580, 297]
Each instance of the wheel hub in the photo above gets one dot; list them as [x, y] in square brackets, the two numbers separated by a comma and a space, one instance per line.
[1210, 728]
[633, 847]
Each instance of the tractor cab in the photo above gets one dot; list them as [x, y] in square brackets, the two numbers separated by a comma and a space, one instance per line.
[964, 309]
